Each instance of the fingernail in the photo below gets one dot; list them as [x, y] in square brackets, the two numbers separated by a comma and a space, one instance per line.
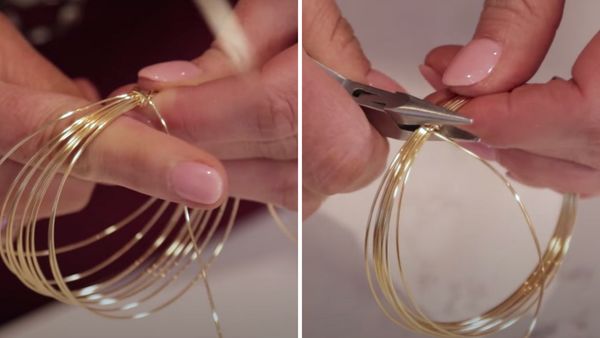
[485, 152]
[432, 77]
[174, 71]
[197, 183]
[473, 63]
[4, 223]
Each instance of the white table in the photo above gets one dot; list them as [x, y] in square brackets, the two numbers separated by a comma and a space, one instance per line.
[254, 282]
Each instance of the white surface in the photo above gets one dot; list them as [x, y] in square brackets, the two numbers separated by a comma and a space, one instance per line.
[458, 263]
[254, 282]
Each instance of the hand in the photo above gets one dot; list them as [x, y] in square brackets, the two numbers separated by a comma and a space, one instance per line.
[249, 121]
[127, 153]
[23, 69]
[546, 135]
[341, 152]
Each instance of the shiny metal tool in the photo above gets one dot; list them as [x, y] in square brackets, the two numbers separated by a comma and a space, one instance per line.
[397, 115]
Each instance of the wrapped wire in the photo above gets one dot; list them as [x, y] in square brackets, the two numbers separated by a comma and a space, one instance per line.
[383, 235]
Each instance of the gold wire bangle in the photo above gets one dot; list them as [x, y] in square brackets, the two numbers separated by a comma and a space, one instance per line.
[156, 268]
[385, 217]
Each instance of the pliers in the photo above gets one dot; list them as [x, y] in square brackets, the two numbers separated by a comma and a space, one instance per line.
[397, 115]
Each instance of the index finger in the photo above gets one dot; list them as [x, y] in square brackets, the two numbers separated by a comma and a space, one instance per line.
[545, 118]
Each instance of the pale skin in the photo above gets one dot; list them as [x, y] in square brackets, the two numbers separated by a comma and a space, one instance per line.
[250, 137]
[249, 143]
[545, 135]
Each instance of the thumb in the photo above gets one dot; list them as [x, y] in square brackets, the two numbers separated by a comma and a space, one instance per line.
[329, 39]
[270, 26]
[510, 43]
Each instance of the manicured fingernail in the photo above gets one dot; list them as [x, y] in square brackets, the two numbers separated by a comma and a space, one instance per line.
[174, 71]
[197, 183]
[481, 150]
[473, 63]
[4, 223]
[432, 77]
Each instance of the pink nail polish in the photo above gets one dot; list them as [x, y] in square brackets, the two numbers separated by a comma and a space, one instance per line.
[197, 183]
[473, 63]
[481, 150]
[174, 71]
[432, 77]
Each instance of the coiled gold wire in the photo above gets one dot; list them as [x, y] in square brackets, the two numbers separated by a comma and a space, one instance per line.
[123, 295]
[385, 218]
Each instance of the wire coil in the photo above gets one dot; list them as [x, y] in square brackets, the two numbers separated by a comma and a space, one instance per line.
[382, 249]
[179, 243]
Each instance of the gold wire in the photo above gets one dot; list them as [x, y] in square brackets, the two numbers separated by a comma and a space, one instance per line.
[280, 224]
[382, 220]
[155, 268]
[23, 262]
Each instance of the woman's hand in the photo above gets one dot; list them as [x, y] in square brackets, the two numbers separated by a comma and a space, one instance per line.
[128, 153]
[22, 67]
[342, 152]
[546, 135]
[249, 121]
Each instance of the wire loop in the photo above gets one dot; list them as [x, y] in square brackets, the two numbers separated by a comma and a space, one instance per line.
[384, 219]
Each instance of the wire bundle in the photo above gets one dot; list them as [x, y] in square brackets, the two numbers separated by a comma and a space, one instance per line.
[382, 250]
[132, 292]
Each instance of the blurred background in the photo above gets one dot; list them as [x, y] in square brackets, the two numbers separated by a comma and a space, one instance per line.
[254, 280]
[465, 245]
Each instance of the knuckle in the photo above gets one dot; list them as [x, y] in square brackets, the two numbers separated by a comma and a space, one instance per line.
[32, 123]
[342, 36]
[286, 149]
[519, 12]
[47, 138]
[326, 27]
[337, 171]
[279, 120]
[510, 8]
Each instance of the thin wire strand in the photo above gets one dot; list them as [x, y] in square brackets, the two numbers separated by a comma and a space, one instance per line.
[384, 219]
[280, 223]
